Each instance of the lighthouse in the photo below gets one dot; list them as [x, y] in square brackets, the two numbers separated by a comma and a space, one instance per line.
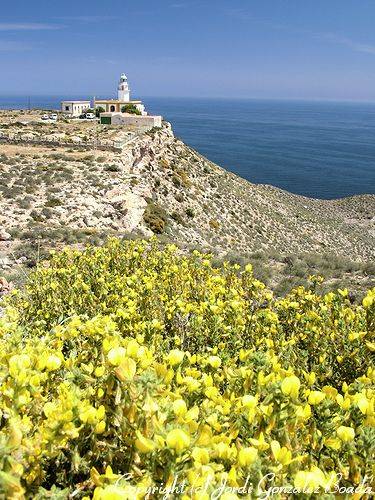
[123, 89]
[122, 104]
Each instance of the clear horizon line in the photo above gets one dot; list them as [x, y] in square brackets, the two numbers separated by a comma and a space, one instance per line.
[232, 98]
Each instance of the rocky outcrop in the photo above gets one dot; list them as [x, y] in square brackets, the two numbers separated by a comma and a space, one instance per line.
[4, 236]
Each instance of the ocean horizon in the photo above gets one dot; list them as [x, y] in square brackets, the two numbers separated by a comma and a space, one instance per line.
[319, 149]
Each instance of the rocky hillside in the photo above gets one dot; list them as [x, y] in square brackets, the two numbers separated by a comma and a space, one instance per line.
[157, 184]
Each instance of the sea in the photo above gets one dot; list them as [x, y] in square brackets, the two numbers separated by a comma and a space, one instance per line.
[317, 149]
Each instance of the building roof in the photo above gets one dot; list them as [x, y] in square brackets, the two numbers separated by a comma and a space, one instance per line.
[117, 101]
[76, 102]
[115, 113]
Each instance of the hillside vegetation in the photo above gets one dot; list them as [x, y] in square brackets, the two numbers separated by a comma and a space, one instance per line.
[132, 368]
[158, 185]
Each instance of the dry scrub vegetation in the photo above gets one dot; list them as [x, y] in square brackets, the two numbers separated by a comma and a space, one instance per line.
[158, 185]
[127, 366]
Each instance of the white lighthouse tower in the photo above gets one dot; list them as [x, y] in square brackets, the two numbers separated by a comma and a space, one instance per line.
[123, 89]
[122, 104]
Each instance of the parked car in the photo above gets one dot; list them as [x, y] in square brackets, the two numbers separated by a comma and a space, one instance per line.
[53, 116]
[82, 117]
[45, 117]
[90, 116]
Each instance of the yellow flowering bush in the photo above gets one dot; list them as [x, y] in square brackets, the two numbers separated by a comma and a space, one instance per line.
[128, 368]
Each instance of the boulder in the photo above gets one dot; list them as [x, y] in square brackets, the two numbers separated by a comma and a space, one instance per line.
[5, 262]
[28, 137]
[4, 236]
[90, 221]
[5, 286]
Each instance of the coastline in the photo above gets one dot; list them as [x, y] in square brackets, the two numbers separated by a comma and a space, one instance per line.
[322, 151]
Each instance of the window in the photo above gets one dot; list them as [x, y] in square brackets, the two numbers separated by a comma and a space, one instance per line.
[113, 109]
[66, 108]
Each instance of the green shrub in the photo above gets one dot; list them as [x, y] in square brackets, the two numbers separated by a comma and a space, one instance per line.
[131, 109]
[53, 202]
[112, 168]
[155, 218]
[177, 217]
[214, 224]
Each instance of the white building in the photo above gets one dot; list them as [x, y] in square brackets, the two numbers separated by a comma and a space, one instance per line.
[75, 108]
[123, 102]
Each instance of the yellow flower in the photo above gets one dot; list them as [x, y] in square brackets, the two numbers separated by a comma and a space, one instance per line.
[178, 440]
[200, 455]
[333, 443]
[316, 397]
[114, 492]
[281, 454]
[249, 401]
[100, 427]
[18, 363]
[150, 405]
[192, 414]
[290, 386]
[15, 433]
[132, 348]
[368, 300]
[346, 434]
[143, 444]
[100, 412]
[224, 451]
[260, 443]
[175, 357]
[53, 363]
[363, 404]
[212, 393]
[208, 381]
[345, 403]
[214, 361]
[330, 392]
[179, 407]
[116, 355]
[99, 371]
[304, 412]
[88, 415]
[191, 383]
[311, 377]
[127, 369]
[247, 456]
[309, 481]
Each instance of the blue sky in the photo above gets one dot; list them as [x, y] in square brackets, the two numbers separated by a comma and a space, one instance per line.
[318, 49]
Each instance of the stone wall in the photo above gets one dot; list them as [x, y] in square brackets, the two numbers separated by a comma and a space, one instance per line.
[39, 142]
[134, 122]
